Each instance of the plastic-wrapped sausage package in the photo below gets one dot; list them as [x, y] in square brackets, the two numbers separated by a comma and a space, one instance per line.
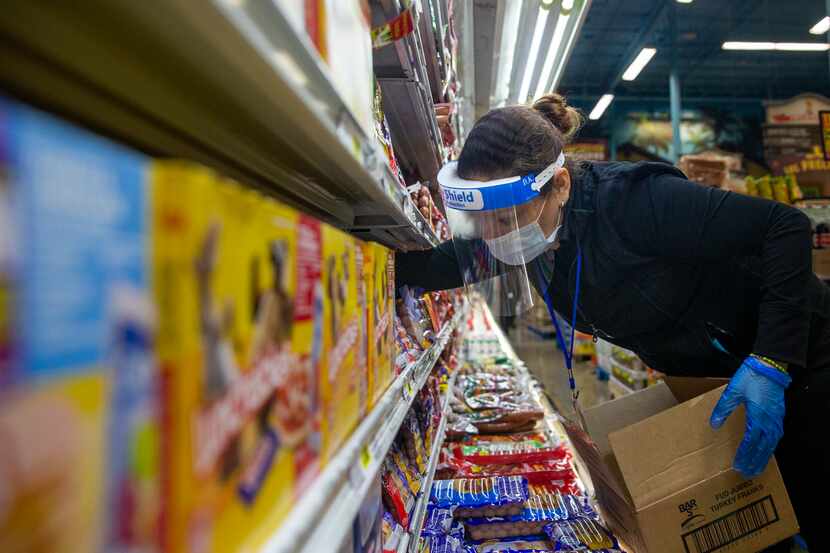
[477, 497]
[541, 510]
[580, 534]
[527, 544]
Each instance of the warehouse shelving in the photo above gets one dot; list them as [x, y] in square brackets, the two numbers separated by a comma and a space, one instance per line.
[229, 84]
[335, 497]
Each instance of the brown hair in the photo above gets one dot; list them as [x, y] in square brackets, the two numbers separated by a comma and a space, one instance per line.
[515, 140]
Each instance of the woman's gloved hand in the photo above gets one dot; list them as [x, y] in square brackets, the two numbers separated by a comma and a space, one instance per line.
[760, 387]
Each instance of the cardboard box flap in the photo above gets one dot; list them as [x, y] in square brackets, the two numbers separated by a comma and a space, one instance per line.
[614, 415]
[675, 449]
[685, 388]
[610, 416]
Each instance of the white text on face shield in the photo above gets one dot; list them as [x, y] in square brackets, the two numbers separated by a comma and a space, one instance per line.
[467, 200]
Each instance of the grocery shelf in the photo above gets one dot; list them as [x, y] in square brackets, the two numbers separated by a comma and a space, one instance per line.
[409, 543]
[229, 84]
[334, 498]
[400, 68]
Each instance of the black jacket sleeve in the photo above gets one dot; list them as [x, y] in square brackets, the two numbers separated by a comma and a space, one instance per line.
[673, 217]
[434, 269]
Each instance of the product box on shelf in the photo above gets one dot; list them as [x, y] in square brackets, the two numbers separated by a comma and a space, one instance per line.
[345, 43]
[341, 377]
[664, 477]
[236, 279]
[78, 421]
[381, 278]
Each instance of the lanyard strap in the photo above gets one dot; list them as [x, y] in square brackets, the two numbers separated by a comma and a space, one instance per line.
[568, 353]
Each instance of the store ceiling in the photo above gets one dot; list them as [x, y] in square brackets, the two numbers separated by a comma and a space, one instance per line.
[615, 30]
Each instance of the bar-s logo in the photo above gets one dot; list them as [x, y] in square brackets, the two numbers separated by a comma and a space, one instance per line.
[466, 200]
[688, 508]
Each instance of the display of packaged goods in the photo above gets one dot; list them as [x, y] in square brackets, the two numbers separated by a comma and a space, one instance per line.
[341, 375]
[240, 339]
[522, 544]
[383, 136]
[379, 273]
[438, 521]
[522, 447]
[345, 43]
[391, 533]
[580, 534]
[493, 496]
[541, 510]
[79, 418]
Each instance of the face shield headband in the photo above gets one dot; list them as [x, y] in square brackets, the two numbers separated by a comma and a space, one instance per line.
[472, 195]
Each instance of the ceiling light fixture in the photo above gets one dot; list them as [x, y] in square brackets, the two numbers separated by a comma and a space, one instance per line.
[777, 46]
[535, 44]
[822, 27]
[638, 64]
[553, 49]
[601, 106]
[507, 51]
[684, 1]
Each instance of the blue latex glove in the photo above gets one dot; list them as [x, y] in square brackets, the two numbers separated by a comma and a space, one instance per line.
[760, 388]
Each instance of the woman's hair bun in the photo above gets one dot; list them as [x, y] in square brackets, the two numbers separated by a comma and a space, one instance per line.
[562, 116]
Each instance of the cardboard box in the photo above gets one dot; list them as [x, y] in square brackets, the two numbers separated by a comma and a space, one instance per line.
[664, 478]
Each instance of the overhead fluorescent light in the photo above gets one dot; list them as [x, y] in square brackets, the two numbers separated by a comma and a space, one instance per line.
[684, 1]
[779, 46]
[553, 51]
[507, 50]
[639, 63]
[801, 47]
[533, 54]
[601, 106]
[821, 27]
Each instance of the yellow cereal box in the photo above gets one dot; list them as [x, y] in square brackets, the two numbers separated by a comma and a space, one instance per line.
[237, 313]
[381, 330]
[340, 375]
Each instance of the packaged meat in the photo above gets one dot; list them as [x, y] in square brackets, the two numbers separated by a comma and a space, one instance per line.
[494, 496]
[580, 534]
[541, 510]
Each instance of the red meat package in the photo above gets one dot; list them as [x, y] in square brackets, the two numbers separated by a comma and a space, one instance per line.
[542, 473]
[525, 447]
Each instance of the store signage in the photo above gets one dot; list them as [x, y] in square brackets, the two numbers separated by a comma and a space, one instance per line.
[824, 123]
[799, 110]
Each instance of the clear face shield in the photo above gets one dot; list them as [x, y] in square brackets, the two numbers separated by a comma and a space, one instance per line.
[493, 239]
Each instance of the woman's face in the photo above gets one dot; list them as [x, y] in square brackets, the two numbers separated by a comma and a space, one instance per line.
[545, 209]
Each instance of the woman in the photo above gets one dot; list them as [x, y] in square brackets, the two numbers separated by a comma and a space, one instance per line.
[697, 281]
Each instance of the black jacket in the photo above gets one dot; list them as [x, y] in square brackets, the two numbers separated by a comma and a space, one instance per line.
[669, 265]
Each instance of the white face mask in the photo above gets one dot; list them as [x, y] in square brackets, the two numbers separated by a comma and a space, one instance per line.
[525, 244]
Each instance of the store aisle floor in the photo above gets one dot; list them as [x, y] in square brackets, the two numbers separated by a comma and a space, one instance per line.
[545, 361]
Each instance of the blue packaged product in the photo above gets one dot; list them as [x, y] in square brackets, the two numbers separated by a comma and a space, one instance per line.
[437, 522]
[541, 509]
[481, 497]
[522, 544]
[580, 534]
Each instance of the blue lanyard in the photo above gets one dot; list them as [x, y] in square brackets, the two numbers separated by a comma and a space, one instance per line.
[568, 353]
